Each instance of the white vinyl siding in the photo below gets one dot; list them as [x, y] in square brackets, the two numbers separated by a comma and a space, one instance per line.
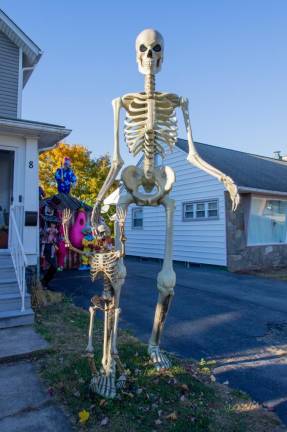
[199, 241]
[9, 75]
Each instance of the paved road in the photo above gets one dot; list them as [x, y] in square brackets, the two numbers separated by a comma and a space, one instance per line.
[238, 320]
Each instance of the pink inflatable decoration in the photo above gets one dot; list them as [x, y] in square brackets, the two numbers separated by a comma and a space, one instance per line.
[76, 235]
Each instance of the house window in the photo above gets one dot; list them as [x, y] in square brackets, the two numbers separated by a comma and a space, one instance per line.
[137, 218]
[200, 210]
[267, 221]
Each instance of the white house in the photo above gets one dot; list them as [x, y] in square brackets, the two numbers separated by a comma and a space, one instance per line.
[20, 143]
[206, 230]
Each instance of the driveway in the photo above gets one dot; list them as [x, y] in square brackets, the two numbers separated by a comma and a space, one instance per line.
[238, 320]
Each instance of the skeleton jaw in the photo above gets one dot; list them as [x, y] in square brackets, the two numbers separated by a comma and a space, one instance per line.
[148, 66]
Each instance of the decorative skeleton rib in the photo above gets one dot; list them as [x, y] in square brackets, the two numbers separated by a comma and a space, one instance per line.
[150, 127]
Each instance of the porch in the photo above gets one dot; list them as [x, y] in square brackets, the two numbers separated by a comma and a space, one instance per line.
[20, 144]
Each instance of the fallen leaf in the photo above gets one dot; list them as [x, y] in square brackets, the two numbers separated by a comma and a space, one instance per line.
[158, 422]
[84, 416]
[212, 378]
[172, 416]
[77, 394]
[102, 402]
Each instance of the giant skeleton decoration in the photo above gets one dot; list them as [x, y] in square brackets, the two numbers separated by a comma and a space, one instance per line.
[150, 128]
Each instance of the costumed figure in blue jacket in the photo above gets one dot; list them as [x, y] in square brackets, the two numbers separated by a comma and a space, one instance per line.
[65, 177]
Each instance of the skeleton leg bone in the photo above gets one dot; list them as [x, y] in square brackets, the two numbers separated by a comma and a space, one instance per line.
[165, 283]
[90, 348]
[106, 383]
[106, 386]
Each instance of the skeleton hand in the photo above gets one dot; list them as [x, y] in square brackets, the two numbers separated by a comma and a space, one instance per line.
[66, 216]
[233, 191]
[121, 215]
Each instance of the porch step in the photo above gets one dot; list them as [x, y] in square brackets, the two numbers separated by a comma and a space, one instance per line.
[12, 301]
[5, 260]
[10, 287]
[16, 318]
[7, 272]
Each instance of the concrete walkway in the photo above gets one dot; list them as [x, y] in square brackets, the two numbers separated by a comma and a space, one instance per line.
[239, 320]
[25, 404]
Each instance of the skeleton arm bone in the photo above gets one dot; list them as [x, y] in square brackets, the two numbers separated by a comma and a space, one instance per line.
[195, 159]
[121, 217]
[117, 162]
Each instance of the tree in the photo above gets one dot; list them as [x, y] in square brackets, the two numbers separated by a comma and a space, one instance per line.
[91, 172]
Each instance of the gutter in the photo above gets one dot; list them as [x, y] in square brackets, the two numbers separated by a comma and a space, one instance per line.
[33, 126]
[242, 189]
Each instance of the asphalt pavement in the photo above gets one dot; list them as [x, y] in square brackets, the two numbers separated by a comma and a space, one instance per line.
[238, 320]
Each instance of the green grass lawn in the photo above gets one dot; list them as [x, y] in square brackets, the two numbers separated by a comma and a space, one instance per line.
[182, 399]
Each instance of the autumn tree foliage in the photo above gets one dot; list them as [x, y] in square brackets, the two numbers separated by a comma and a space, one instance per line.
[91, 172]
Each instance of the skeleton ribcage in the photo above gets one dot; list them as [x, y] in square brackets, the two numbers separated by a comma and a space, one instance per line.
[139, 136]
[105, 263]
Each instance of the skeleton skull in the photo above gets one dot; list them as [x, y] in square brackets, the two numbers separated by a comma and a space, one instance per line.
[149, 50]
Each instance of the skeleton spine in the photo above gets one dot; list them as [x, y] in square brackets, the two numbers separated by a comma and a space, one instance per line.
[149, 85]
[149, 141]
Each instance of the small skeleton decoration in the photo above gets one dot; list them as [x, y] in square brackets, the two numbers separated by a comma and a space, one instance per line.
[106, 262]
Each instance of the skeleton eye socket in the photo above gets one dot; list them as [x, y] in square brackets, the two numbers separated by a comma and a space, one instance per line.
[143, 48]
[157, 48]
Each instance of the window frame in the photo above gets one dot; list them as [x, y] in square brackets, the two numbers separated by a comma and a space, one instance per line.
[194, 203]
[134, 209]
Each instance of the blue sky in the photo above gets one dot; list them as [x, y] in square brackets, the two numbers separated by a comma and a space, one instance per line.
[228, 57]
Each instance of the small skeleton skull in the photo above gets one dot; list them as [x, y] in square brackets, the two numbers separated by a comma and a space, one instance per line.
[149, 50]
[102, 230]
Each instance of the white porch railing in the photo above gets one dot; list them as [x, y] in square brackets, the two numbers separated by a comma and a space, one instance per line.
[19, 259]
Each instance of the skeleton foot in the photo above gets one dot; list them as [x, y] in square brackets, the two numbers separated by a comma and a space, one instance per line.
[104, 385]
[121, 382]
[159, 359]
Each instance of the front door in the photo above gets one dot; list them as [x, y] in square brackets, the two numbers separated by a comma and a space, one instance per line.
[6, 193]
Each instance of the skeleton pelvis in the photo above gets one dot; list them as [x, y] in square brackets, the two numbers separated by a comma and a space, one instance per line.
[162, 180]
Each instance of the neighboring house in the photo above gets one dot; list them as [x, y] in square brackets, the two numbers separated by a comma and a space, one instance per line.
[206, 230]
[20, 143]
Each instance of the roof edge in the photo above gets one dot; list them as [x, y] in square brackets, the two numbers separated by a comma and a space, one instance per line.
[244, 189]
[19, 38]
